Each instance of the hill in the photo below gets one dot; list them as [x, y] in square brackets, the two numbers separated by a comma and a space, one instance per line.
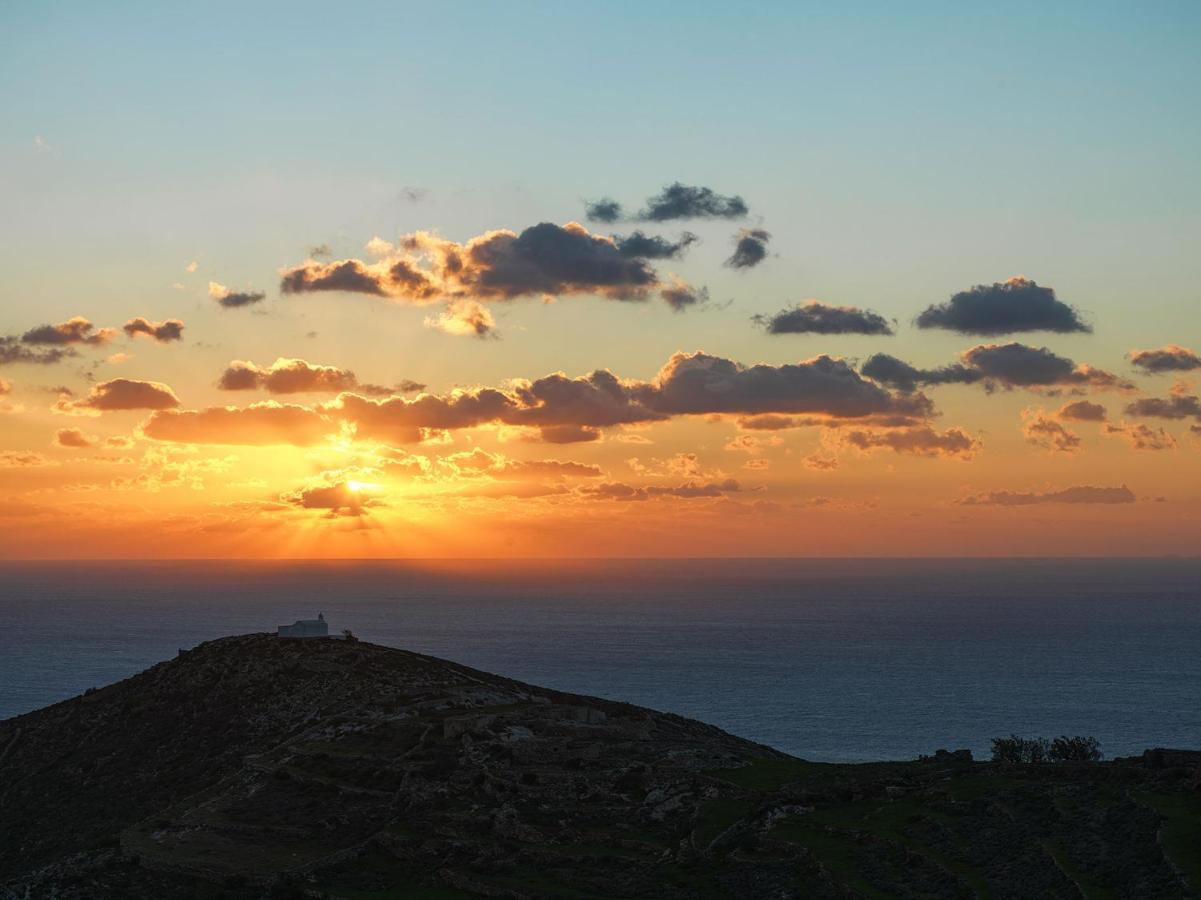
[253, 766]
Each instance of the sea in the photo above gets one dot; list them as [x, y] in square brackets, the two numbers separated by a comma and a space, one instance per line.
[833, 660]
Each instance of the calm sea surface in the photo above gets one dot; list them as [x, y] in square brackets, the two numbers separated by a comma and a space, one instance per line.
[830, 659]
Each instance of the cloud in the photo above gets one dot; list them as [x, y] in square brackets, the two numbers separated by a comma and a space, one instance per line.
[1083, 411]
[23, 459]
[1045, 432]
[689, 490]
[191, 267]
[815, 317]
[480, 462]
[1172, 358]
[120, 394]
[697, 384]
[12, 351]
[1143, 437]
[320, 250]
[750, 249]
[1177, 406]
[640, 245]
[163, 332]
[567, 409]
[603, 210]
[676, 201]
[680, 295]
[681, 201]
[1005, 307]
[545, 259]
[464, 318]
[76, 330]
[1081, 494]
[6, 387]
[74, 438]
[287, 376]
[1006, 366]
[234, 299]
[920, 441]
[260, 424]
[345, 498]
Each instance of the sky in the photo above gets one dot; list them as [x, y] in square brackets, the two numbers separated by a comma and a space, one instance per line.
[564, 280]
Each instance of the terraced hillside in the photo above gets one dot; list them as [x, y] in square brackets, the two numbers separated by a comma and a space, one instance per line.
[253, 767]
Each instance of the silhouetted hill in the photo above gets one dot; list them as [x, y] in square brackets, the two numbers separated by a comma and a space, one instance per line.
[253, 766]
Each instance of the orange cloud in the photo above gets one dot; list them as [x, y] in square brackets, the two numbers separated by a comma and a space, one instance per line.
[1044, 432]
[74, 438]
[259, 424]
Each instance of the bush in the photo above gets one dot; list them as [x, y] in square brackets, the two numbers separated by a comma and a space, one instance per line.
[1075, 749]
[1014, 749]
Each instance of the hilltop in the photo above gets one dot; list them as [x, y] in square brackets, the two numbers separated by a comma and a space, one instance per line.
[253, 766]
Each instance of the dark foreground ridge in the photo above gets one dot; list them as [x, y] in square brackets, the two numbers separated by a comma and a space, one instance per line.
[259, 767]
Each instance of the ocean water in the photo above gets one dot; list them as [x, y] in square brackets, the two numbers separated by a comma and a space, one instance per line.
[840, 660]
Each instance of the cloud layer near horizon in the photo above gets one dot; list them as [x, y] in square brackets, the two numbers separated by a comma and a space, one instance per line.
[561, 408]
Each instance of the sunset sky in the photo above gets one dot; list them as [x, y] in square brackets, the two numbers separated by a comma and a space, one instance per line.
[599, 280]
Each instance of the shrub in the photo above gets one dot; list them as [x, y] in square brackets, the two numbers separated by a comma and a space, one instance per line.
[1014, 749]
[1075, 749]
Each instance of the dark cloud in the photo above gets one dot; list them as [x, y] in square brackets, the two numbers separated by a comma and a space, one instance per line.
[344, 498]
[545, 259]
[287, 376]
[77, 330]
[603, 210]
[1177, 406]
[646, 246]
[820, 318]
[676, 201]
[163, 332]
[1045, 432]
[1172, 358]
[568, 434]
[680, 295]
[350, 275]
[1082, 494]
[920, 441]
[234, 299]
[12, 352]
[750, 249]
[1083, 411]
[320, 251]
[120, 394]
[681, 201]
[1005, 307]
[996, 365]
